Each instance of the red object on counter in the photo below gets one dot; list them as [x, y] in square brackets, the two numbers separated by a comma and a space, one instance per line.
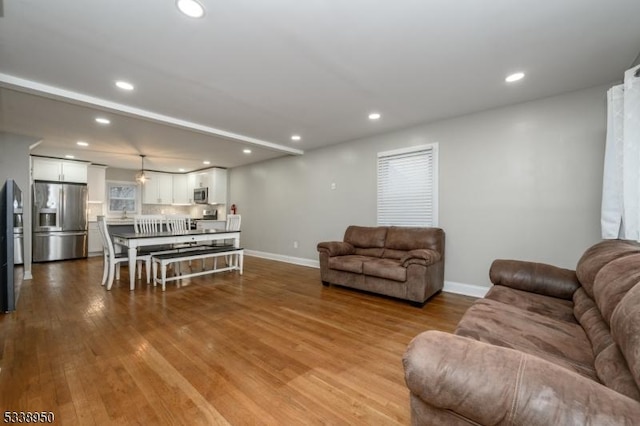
[233, 209]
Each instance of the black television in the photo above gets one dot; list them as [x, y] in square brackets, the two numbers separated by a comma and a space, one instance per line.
[7, 287]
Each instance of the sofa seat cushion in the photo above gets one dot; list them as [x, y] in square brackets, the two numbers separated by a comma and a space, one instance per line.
[385, 268]
[551, 307]
[350, 263]
[556, 341]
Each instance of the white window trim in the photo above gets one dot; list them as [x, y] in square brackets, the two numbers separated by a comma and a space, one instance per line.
[138, 201]
[435, 173]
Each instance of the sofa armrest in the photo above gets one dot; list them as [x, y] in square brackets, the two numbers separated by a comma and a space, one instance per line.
[336, 248]
[424, 257]
[533, 277]
[495, 385]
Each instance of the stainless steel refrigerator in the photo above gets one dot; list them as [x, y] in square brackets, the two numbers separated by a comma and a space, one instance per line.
[59, 221]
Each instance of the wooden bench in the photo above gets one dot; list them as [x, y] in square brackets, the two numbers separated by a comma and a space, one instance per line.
[165, 259]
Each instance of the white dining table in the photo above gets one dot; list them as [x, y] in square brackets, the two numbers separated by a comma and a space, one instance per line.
[132, 241]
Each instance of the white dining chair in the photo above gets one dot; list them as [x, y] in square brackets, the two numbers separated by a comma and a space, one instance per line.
[112, 260]
[233, 224]
[178, 222]
[148, 223]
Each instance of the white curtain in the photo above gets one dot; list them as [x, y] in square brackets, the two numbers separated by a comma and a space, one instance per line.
[621, 184]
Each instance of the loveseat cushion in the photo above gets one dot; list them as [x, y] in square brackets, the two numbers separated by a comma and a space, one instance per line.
[385, 268]
[408, 238]
[350, 263]
[559, 342]
[625, 329]
[366, 236]
[613, 371]
[336, 248]
[599, 255]
[589, 317]
[613, 282]
[534, 277]
[551, 307]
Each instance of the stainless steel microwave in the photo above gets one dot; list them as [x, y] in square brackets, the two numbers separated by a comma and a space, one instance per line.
[201, 195]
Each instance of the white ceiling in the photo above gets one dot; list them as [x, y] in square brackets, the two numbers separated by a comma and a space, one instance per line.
[251, 72]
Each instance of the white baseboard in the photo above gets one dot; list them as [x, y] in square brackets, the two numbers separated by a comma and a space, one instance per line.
[449, 286]
[282, 258]
[465, 289]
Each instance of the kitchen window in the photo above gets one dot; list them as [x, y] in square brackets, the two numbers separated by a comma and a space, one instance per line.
[121, 197]
[408, 186]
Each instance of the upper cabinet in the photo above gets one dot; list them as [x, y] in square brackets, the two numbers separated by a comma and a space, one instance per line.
[214, 179]
[218, 187]
[96, 183]
[59, 170]
[181, 193]
[158, 189]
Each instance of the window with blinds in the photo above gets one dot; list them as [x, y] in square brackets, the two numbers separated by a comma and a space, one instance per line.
[408, 186]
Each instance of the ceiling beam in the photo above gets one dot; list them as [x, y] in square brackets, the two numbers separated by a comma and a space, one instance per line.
[52, 92]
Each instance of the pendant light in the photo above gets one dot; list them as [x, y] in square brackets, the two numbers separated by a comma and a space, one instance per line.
[141, 177]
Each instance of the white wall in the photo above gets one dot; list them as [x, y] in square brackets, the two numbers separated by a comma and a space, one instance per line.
[517, 182]
[15, 164]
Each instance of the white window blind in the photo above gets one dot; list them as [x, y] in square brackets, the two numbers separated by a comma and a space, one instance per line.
[407, 186]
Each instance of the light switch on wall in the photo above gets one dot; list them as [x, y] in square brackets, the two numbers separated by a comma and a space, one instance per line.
[333, 185]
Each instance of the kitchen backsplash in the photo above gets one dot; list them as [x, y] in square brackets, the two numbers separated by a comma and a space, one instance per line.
[165, 209]
[96, 209]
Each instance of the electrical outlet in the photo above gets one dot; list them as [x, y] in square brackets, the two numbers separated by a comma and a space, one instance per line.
[333, 185]
[295, 244]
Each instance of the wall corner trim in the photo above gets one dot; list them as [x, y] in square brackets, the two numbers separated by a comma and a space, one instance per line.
[465, 289]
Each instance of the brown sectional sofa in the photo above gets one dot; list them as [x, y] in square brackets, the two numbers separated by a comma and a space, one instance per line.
[402, 262]
[545, 346]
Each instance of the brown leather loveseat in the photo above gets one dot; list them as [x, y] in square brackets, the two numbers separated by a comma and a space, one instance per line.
[402, 262]
[545, 346]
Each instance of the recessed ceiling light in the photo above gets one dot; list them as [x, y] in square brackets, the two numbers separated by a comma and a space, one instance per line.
[82, 143]
[514, 77]
[374, 116]
[191, 8]
[205, 162]
[69, 156]
[124, 85]
[181, 170]
[246, 151]
[103, 120]
[296, 137]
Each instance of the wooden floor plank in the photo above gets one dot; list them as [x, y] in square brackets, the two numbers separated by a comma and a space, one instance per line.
[272, 346]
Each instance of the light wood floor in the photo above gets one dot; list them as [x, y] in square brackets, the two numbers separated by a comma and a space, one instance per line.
[270, 347]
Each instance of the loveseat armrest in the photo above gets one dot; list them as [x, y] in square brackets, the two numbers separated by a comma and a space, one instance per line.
[534, 277]
[336, 248]
[490, 384]
[424, 257]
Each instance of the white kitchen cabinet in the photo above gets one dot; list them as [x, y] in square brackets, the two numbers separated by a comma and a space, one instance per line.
[218, 187]
[59, 170]
[216, 180]
[201, 179]
[158, 189]
[94, 240]
[181, 193]
[96, 183]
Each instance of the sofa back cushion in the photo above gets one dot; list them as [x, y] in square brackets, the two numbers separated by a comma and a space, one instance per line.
[613, 282]
[599, 255]
[408, 238]
[625, 329]
[366, 236]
